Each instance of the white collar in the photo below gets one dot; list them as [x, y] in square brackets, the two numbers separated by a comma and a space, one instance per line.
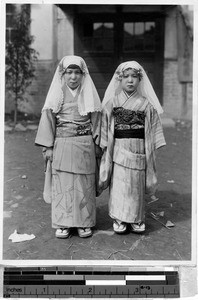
[73, 92]
[129, 95]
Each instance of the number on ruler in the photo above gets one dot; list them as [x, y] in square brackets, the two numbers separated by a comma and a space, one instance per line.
[145, 289]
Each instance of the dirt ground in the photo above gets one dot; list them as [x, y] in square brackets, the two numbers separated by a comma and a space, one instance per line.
[26, 211]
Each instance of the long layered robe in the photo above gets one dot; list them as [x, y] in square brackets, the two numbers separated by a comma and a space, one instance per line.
[73, 138]
[128, 164]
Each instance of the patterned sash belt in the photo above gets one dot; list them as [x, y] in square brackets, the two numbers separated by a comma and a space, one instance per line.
[70, 130]
[129, 133]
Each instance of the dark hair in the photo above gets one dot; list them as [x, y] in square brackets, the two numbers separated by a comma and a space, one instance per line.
[138, 72]
[73, 66]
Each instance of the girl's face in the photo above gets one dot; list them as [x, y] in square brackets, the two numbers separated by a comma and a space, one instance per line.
[73, 77]
[130, 81]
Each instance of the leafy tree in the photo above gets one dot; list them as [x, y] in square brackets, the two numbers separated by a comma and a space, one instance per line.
[20, 57]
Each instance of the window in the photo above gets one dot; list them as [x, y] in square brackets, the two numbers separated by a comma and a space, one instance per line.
[10, 30]
[139, 36]
[98, 37]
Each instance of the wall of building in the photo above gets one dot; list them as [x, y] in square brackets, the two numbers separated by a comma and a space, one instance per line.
[177, 96]
[53, 31]
[42, 28]
[172, 90]
[65, 32]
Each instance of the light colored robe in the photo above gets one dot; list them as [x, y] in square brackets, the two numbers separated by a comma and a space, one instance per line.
[73, 188]
[128, 165]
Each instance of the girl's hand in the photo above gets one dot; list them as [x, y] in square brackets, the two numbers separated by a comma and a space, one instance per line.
[49, 154]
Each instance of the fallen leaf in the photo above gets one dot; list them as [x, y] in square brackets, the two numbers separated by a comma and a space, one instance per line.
[169, 224]
[161, 213]
[153, 197]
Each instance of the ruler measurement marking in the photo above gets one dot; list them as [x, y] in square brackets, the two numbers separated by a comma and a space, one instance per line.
[90, 283]
[91, 289]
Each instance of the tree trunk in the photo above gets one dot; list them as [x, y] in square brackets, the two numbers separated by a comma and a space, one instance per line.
[15, 109]
[16, 90]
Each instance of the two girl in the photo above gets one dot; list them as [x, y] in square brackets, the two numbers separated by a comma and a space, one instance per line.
[72, 135]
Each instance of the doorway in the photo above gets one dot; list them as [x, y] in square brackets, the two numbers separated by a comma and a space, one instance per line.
[106, 40]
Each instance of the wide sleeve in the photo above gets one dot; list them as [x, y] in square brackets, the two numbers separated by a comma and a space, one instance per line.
[107, 144]
[46, 129]
[157, 130]
[96, 126]
[154, 139]
[105, 123]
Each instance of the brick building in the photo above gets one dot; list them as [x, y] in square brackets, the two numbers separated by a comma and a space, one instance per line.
[160, 37]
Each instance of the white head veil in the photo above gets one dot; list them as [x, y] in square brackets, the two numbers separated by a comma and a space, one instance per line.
[88, 99]
[145, 88]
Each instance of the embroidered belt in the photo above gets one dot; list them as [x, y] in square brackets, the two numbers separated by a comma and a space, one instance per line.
[129, 133]
[83, 129]
[79, 130]
[127, 126]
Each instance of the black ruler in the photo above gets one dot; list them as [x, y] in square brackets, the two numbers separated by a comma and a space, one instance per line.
[89, 282]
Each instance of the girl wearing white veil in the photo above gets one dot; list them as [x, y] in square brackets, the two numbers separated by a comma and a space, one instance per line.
[131, 132]
[69, 131]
